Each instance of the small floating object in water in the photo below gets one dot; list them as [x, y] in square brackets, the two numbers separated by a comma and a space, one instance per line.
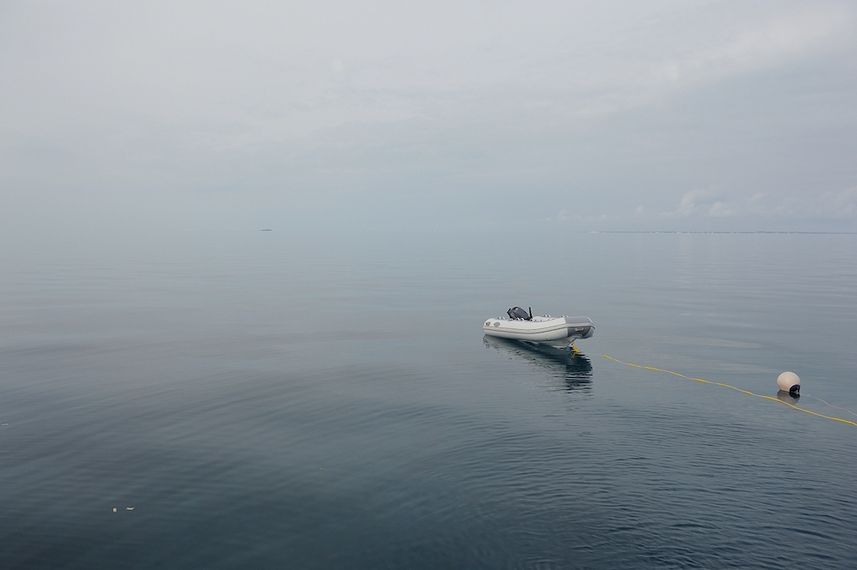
[114, 509]
[522, 325]
[789, 382]
[129, 508]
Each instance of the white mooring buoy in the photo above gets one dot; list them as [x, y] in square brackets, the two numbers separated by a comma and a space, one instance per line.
[789, 382]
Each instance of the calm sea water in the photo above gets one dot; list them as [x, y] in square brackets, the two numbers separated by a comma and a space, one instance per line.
[261, 401]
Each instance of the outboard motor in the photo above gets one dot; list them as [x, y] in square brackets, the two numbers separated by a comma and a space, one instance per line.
[517, 313]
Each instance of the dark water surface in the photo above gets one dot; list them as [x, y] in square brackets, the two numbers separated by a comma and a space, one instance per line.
[265, 402]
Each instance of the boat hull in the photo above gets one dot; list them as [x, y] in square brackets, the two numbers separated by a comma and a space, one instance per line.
[541, 329]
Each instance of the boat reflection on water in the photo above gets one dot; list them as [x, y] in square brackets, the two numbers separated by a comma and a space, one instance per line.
[574, 369]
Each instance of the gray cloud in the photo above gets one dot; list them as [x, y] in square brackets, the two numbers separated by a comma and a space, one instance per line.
[596, 115]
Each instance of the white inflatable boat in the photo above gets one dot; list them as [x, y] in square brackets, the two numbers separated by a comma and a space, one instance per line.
[522, 325]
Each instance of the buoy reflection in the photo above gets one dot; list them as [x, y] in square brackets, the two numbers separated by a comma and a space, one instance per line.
[574, 369]
[785, 396]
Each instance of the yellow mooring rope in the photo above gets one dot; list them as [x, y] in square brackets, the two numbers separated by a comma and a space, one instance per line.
[731, 387]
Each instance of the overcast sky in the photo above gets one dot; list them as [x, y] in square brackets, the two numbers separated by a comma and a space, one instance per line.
[588, 115]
